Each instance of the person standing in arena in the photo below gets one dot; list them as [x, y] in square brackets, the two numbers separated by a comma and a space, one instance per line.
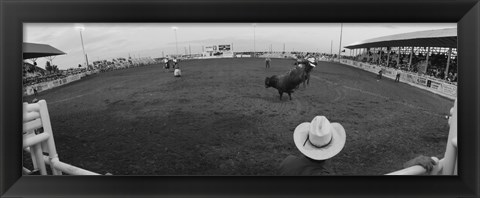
[177, 72]
[267, 62]
[165, 61]
[380, 74]
[397, 77]
[175, 62]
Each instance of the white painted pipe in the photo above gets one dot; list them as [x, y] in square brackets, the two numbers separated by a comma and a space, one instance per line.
[454, 142]
[26, 171]
[419, 170]
[34, 160]
[33, 107]
[61, 166]
[36, 139]
[67, 168]
[37, 150]
[47, 128]
[413, 170]
[29, 116]
[451, 151]
[35, 124]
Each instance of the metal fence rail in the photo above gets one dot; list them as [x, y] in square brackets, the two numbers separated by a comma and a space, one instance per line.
[41, 145]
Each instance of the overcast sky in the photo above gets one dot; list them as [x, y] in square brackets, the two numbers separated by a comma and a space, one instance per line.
[112, 40]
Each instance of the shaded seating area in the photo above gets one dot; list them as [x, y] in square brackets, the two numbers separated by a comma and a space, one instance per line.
[432, 53]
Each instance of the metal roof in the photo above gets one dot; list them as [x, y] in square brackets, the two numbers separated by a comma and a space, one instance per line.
[34, 50]
[430, 38]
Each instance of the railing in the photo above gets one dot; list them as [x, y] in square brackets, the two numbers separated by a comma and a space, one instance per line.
[447, 165]
[36, 117]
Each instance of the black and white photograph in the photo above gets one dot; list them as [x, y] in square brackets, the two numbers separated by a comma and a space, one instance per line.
[240, 99]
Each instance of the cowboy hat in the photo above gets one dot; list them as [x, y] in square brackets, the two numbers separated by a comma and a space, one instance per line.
[312, 61]
[319, 139]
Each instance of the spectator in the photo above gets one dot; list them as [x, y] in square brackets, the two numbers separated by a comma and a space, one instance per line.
[321, 140]
[379, 76]
[267, 62]
[397, 77]
[165, 61]
[318, 141]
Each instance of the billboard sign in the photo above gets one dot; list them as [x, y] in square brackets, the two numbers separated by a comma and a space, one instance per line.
[210, 48]
[224, 47]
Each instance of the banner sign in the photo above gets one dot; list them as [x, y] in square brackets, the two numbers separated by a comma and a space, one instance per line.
[449, 89]
[224, 47]
[422, 81]
[436, 85]
[427, 83]
[52, 84]
[210, 48]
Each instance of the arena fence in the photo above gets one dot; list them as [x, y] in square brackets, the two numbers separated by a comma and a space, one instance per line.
[447, 165]
[28, 90]
[437, 86]
[41, 145]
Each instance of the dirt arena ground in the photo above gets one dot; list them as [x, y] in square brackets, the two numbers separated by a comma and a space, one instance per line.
[219, 119]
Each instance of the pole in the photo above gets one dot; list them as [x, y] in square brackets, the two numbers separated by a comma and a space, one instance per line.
[448, 62]
[340, 44]
[83, 48]
[398, 57]
[367, 50]
[381, 52]
[428, 54]
[388, 56]
[410, 61]
[254, 40]
[176, 41]
[331, 45]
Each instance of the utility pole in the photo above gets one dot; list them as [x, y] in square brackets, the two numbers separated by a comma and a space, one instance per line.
[254, 39]
[340, 45]
[331, 47]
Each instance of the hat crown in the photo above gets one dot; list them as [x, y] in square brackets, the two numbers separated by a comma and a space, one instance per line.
[320, 133]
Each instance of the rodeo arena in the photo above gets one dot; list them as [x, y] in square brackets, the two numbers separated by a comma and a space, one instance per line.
[387, 106]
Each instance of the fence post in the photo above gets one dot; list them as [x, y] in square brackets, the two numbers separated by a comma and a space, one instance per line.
[451, 152]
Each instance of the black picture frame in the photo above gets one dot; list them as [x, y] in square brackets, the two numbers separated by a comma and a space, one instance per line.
[466, 13]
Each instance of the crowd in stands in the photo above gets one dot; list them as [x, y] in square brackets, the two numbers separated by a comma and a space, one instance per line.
[122, 63]
[437, 63]
[27, 81]
[34, 75]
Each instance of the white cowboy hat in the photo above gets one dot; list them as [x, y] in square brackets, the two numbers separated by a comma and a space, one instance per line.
[320, 139]
[311, 61]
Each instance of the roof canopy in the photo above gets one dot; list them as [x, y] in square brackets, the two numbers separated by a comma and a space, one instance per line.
[34, 50]
[429, 38]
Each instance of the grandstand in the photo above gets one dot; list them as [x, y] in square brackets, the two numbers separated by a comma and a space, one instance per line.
[428, 59]
[39, 79]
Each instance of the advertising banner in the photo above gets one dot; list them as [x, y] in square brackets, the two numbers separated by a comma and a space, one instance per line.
[449, 89]
[436, 85]
[422, 81]
[210, 48]
[224, 47]
[427, 83]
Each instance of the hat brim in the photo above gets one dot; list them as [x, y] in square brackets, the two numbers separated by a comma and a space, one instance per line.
[333, 148]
